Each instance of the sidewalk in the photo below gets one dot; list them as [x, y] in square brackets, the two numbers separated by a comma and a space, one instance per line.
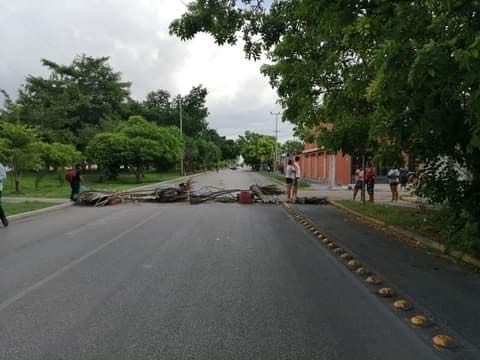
[445, 292]
[382, 194]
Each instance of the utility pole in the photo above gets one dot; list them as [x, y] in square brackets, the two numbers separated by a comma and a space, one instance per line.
[181, 134]
[277, 114]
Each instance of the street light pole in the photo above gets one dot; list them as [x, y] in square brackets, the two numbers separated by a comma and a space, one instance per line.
[181, 135]
[277, 114]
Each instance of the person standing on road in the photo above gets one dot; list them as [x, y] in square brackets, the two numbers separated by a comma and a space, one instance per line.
[3, 176]
[298, 174]
[290, 178]
[359, 179]
[393, 179]
[370, 177]
[74, 177]
[403, 178]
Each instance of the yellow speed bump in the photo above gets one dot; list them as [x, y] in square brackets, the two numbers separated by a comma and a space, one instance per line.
[401, 304]
[331, 245]
[386, 292]
[443, 341]
[326, 240]
[346, 256]
[354, 263]
[362, 271]
[374, 280]
[419, 320]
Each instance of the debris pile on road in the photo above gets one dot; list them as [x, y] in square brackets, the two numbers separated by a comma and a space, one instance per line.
[209, 193]
[162, 195]
[312, 200]
[268, 194]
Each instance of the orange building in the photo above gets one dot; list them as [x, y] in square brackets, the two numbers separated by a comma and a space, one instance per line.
[326, 166]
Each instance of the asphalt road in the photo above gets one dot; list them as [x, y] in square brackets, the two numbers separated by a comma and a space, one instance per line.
[211, 281]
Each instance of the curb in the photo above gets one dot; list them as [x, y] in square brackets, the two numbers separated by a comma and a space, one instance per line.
[33, 213]
[412, 237]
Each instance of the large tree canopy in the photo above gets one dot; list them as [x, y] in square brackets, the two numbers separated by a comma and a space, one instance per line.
[257, 150]
[70, 104]
[389, 75]
[163, 109]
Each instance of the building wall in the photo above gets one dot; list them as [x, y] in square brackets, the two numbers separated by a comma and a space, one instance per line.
[317, 165]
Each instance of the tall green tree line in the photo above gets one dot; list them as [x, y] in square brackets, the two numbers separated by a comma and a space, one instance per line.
[76, 102]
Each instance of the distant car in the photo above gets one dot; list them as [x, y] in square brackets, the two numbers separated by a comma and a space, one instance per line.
[233, 168]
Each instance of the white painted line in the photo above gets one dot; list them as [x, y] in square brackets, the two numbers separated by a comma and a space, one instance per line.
[71, 265]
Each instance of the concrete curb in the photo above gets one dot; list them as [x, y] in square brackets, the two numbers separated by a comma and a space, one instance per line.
[33, 213]
[410, 236]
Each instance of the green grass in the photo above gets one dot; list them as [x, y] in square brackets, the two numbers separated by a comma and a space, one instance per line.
[426, 222]
[50, 187]
[281, 178]
[17, 208]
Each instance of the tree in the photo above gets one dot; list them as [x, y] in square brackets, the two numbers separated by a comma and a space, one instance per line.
[257, 149]
[19, 149]
[387, 75]
[137, 144]
[229, 148]
[292, 147]
[209, 154]
[162, 108]
[57, 156]
[70, 104]
[107, 151]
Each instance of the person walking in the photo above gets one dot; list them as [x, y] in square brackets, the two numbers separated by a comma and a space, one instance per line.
[393, 179]
[3, 177]
[298, 174]
[290, 178]
[359, 179]
[370, 177]
[74, 177]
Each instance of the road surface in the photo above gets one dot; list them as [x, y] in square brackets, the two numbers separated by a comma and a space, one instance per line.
[211, 281]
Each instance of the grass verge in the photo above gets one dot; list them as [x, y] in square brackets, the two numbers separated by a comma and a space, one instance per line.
[18, 208]
[280, 178]
[426, 222]
[51, 187]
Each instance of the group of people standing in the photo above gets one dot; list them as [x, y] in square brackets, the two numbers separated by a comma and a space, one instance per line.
[292, 177]
[367, 178]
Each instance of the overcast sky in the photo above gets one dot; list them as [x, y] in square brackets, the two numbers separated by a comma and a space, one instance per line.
[135, 36]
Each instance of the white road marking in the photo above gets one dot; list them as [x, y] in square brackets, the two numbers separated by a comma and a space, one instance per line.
[71, 265]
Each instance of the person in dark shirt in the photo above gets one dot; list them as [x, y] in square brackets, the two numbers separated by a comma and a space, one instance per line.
[370, 177]
[76, 180]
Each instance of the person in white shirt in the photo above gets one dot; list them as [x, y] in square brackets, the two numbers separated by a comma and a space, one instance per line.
[393, 180]
[3, 176]
[298, 174]
[290, 178]
[359, 180]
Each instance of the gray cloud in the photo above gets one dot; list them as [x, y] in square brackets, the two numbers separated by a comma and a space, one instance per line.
[135, 36]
